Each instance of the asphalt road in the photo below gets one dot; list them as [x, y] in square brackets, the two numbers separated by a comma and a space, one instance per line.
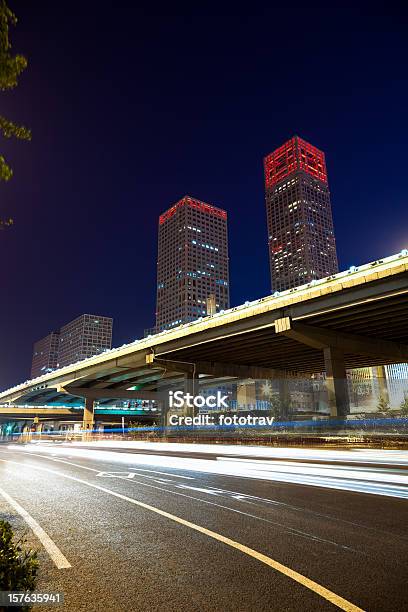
[170, 532]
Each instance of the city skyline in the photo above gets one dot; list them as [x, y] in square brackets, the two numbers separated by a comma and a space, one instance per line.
[280, 167]
[88, 221]
[192, 232]
[273, 181]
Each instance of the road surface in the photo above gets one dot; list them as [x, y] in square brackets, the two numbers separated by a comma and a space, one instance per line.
[151, 527]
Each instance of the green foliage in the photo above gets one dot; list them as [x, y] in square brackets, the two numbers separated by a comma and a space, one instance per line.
[133, 427]
[10, 129]
[383, 404]
[18, 567]
[404, 406]
[11, 66]
[280, 409]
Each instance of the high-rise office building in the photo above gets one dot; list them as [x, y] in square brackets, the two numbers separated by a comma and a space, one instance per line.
[301, 239]
[192, 266]
[45, 355]
[83, 337]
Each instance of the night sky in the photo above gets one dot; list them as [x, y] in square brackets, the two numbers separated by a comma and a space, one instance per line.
[131, 111]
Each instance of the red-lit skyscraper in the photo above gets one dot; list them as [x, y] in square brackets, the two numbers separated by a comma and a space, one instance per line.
[192, 262]
[301, 239]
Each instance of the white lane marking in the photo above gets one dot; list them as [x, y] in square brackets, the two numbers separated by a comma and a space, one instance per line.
[52, 549]
[164, 473]
[201, 490]
[130, 475]
[337, 600]
[154, 478]
[116, 475]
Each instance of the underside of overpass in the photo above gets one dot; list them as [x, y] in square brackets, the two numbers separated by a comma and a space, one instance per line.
[384, 317]
[347, 321]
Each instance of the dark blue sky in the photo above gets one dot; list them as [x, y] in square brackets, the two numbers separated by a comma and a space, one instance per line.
[131, 111]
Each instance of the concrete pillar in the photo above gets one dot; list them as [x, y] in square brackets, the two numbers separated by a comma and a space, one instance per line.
[88, 418]
[382, 388]
[191, 386]
[336, 380]
[164, 408]
[284, 396]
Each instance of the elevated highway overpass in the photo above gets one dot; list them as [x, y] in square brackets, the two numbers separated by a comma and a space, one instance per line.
[349, 320]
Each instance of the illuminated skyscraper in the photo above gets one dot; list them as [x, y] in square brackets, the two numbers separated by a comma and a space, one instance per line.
[79, 339]
[84, 337]
[301, 239]
[192, 264]
[45, 355]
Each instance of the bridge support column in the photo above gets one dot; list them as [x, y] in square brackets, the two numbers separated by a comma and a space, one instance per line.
[191, 386]
[88, 418]
[336, 380]
[380, 378]
[284, 397]
[164, 407]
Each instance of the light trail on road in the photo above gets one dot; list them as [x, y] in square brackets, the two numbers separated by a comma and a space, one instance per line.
[306, 582]
[374, 479]
[99, 506]
[358, 455]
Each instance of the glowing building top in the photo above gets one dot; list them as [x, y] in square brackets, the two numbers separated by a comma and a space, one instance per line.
[295, 154]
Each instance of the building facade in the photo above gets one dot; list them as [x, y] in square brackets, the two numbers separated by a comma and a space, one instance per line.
[192, 265]
[397, 382]
[45, 355]
[300, 225]
[83, 337]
